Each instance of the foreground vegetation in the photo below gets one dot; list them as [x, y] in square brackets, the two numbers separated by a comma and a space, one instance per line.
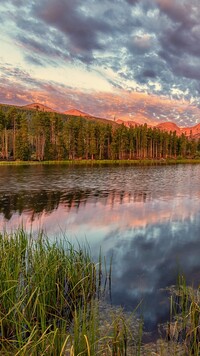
[50, 301]
[43, 136]
[51, 304]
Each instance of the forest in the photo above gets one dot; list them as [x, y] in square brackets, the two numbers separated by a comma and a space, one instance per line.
[43, 136]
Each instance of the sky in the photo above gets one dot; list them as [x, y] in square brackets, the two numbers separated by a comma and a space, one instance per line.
[111, 58]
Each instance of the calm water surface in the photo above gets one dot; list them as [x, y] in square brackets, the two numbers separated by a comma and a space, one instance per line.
[148, 218]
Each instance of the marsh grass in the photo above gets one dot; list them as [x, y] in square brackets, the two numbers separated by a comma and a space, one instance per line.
[181, 335]
[184, 326]
[51, 303]
[50, 300]
[44, 288]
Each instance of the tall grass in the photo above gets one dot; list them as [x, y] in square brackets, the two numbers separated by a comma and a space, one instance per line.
[184, 326]
[51, 304]
[49, 300]
[181, 335]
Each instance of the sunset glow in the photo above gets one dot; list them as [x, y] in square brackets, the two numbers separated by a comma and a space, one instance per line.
[134, 59]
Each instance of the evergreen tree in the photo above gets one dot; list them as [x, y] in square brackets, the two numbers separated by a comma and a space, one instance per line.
[22, 150]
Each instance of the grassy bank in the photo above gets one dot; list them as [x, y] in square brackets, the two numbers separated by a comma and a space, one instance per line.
[51, 304]
[138, 162]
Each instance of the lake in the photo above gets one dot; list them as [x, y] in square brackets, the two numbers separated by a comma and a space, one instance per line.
[147, 218]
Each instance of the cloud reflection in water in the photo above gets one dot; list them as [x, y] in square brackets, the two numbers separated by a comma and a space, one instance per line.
[152, 230]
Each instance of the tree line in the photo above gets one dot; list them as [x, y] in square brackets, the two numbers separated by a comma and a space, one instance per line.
[36, 135]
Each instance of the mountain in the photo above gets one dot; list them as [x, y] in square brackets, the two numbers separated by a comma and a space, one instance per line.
[127, 123]
[152, 110]
[139, 118]
[169, 126]
[130, 123]
[75, 112]
[193, 131]
[38, 106]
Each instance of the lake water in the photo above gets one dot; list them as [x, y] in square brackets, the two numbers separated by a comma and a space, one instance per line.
[148, 218]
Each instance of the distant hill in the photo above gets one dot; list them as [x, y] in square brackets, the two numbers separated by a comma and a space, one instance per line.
[153, 109]
[38, 106]
[69, 113]
[134, 123]
[169, 126]
[75, 112]
[193, 131]
[127, 123]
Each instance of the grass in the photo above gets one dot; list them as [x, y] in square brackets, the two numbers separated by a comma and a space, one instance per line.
[83, 162]
[182, 333]
[50, 300]
[184, 326]
[51, 304]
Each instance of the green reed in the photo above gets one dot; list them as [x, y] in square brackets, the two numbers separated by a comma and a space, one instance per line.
[51, 304]
[184, 327]
[50, 300]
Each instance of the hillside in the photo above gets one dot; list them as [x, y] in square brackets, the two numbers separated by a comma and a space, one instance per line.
[30, 108]
[30, 133]
[168, 126]
[37, 106]
[144, 108]
[75, 112]
[192, 131]
[128, 123]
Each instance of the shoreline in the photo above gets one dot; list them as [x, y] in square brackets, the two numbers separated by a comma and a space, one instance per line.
[90, 162]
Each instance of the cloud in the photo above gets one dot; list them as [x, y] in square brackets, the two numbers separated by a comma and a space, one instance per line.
[177, 10]
[139, 41]
[132, 2]
[34, 60]
[19, 87]
[81, 29]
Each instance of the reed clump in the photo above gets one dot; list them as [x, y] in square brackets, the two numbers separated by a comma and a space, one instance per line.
[184, 326]
[181, 335]
[50, 300]
[42, 288]
[51, 303]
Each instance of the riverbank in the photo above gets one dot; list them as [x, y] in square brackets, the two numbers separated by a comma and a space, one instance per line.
[51, 297]
[139, 162]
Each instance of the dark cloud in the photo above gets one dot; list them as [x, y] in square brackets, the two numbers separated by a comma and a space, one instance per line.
[138, 40]
[181, 41]
[82, 30]
[39, 46]
[149, 73]
[132, 2]
[177, 10]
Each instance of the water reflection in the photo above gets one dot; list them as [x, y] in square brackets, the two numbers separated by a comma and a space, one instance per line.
[148, 218]
[150, 260]
[45, 201]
